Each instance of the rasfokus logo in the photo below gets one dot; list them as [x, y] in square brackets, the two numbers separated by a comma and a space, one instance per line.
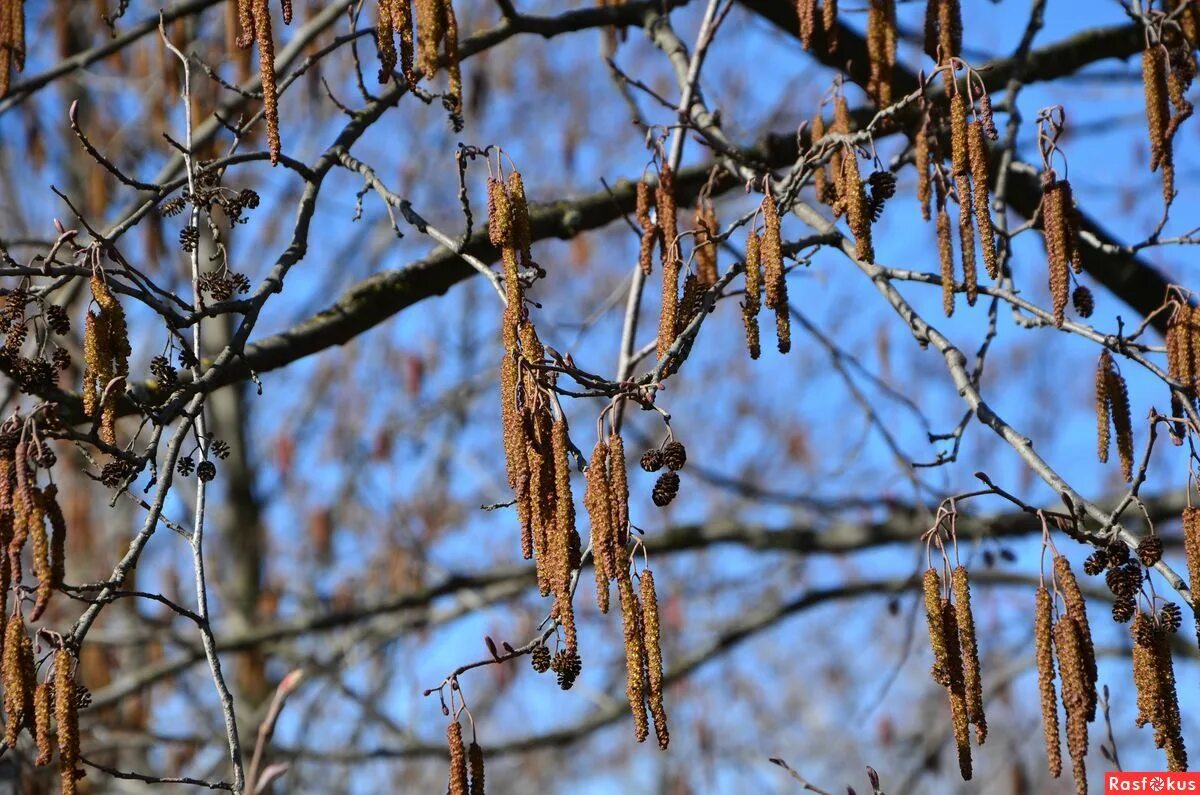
[1151, 782]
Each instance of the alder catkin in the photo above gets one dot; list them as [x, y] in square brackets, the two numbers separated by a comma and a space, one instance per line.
[597, 500]
[972, 678]
[932, 586]
[858, 212]
[475, 762]
[966, 236]
[775, 281]
[1055, 228]
[668, 321]
[1072, 672]
[458, 759]
[881, 50]
[1103, 400]
[1154, 83]
[66, 715]
[955, 689]
[921, 155]
[829, 12]
[706, 242]
[1157, 698]
[806, 11]
[1044, 653]
[1191, 550]
[41, 722]
[1118, 396]
[977, 155]
[959, 150]
[645, 203]
[753, 299]
[266, 68]
[635, 653]
[564, 541]
[12, 675]
[36, 527]
[654, 665]
[1077, 609]
[946, 258]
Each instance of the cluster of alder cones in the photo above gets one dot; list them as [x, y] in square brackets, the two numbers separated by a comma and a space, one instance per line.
[673, 456]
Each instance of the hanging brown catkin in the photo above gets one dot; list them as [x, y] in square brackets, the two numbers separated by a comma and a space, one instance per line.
[1044, 653]
[1072, 672]
[966, 237]
[597, 500]
[1077, 609]
[458, 759]
[775, 281]
[956, 690]
[645, 203]
[977, 155]
[972, 678]
[1103, 417]
[654, 665]
[564, 539]
[1191, 550]
[753, 299]
[946, 259]
[635, 653]
[932, 585]
[671, 261]
[858, 212]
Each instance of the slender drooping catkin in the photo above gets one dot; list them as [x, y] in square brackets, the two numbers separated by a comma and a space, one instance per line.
[829, 25]
[806, 11]
[924, 166]
[516, 449]
[1157, 698]
[598, 502]
[966, 237]
[41, 722]
[881, 50]
[564, 541]
[946, 259]
[707, 230]
[635, 653]
[654, 664]
[960, 158]
[956, 689]
[972, 677]
[1154, 83]
[1103, 401]
[475, 763]
[668, 226]
[458, 759]
[949, 27]
[618, 489]
[58, 535]
[932, 586]
[858, 212]
[1044, 653]
[753, 299]
[775, 282]
[1054, 221]
[977, 155]
[1191, 550]
[1181, 361]
[1118, 396]
[18, 691]
[1077, 609]
[645, 203]
[66, 715]
[822, 186]
[36, 527]
[1072, 671]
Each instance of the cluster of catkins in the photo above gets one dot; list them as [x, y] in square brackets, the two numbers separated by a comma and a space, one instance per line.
[436, 44]
[1112, 411]
[956, 657]
[1183, 351]
[843, 189]
[32, 705]
[1168, 69]
[765, 280]
[12, 40]
[1060, 224]
[254, 20]
[466, 764]
[970, 128]
[25, 511]
[536, 446]
[106, 357]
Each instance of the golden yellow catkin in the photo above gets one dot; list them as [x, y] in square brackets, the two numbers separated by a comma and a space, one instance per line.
[924, 166]
[36, 527]
[972, 676]
[41, 722]
[597, 500]
[645, 203]
[950, 28]
[1072, 672]
[564, 541]
[1057, 252]
[821, 183]
[454, 102]
[111, 353]
[881, 50]
[1191, 551]
[858, 212]
[66, 715]
[542, 488]
[651, 643]
[946, 259]
[1157, 698]
[58, 535]
[775, 281]
[1103, 400]
[383, 40]
[978, 157]
[1044, 655]
[932, 585]
[635, 653]
[966, 237]
[1077, 609]
[829, 12]
[841, 126]
[618, 489]
[960, 159]
[753, 299]
[1181, 363]
[458, 759]
[806, 11]
[7, 488]
[522, 235]
[671, 261]
[706, 243]
[956, 689]
[475, 763]
[12, 41]
[12, 675]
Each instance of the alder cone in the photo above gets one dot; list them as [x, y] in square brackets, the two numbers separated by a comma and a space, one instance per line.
[665, 489]
[674, 455]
